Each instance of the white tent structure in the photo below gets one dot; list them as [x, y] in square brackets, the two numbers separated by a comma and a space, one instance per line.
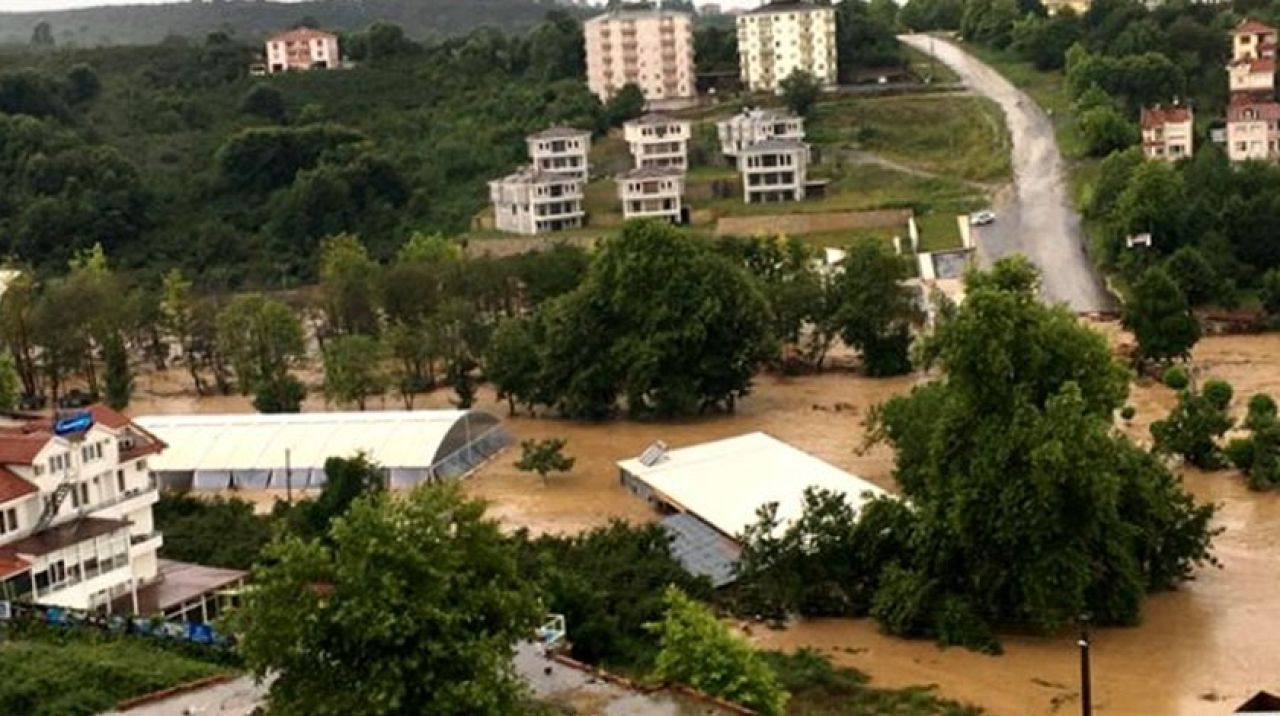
[252, 451]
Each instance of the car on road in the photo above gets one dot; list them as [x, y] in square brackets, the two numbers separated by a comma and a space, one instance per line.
[982, 218]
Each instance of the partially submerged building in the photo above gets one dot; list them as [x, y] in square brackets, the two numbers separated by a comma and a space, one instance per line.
[217, 452]
[712, 491]
[656, 140]
[774, 170]
[652, 193]
[531, 201]
[757, 125]
[75, 509]
[560, 150]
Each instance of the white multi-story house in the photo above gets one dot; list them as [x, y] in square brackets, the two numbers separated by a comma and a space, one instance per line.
[774, 170]
[657, 140]
[1252, 75]
[781, 37]
[302, 49]
[76, 529]
[1252, 40]
[1167, 132]
[562, 150]
[652, 193]
[652, 49]
[1253, 129]
[532, 201]
[756, 125]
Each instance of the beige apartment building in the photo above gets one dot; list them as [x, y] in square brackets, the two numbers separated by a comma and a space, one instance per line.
[1167, 132]
[302, 49]
[1253, 129]
[652, 49]
[561, 150]
[652, 193]
[756, 125]
[1253, 40]
[774, 170]
[656, 140]
[781, 37]
[531, 201]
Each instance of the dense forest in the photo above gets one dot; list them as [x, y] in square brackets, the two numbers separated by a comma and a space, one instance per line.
[251, 19]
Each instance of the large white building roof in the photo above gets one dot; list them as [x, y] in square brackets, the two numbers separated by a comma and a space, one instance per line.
[724, 482]
[393, 438]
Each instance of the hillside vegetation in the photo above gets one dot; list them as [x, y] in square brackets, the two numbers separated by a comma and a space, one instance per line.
[150, 24]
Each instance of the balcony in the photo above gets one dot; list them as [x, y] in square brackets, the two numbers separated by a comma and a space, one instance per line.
[126, 502]
[145, 544]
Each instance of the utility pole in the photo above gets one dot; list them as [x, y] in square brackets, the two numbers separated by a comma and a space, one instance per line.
[288, 478]
[1086, 688]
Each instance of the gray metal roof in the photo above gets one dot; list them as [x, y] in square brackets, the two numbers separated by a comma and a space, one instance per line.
[701, 550]
[558, 133]
[528, 174]
[652, 173]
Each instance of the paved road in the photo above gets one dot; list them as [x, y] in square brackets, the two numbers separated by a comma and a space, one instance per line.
[1036, 218]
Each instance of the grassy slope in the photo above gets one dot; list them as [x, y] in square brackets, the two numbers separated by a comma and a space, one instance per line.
[85, 677]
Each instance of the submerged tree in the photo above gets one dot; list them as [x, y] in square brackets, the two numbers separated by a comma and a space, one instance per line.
[412, 606]
[544, 457]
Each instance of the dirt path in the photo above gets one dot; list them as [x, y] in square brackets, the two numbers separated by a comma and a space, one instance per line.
[1038, 220]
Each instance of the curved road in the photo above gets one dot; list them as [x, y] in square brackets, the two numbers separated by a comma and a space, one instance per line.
[1038, 219]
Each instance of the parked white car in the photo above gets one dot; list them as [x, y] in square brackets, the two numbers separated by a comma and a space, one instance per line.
[982, 218]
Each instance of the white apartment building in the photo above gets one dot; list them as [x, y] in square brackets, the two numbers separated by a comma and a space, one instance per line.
[531, 202]
[774, 170]
[1253, 129]
[76, 529]
[652, 193]
[562, 150]
[781, 37]
[1167, 132]
[652, 49]
[756, 125]
[302, 49]
[657, 140]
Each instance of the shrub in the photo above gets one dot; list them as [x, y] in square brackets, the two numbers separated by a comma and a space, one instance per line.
[1218, 393]
[1127, 413]
[1176, 377]
[1240, 453]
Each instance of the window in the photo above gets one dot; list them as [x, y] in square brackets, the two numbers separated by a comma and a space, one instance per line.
[120, 480]
[8, 521]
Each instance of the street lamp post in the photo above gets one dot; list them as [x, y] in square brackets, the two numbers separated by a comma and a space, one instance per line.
[1086, 688]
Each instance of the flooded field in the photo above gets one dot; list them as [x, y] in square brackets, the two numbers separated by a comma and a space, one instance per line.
[1199, 651]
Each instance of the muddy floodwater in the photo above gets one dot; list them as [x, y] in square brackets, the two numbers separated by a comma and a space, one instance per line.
[1200, 650]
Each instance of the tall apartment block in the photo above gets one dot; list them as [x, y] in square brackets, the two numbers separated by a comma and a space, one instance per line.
[652, 49]
[781, 37]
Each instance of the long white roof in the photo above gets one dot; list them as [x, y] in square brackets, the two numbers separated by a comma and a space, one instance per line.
[724, 482]
[392, 438]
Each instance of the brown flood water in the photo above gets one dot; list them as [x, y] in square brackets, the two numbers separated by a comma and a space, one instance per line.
[1200, 650]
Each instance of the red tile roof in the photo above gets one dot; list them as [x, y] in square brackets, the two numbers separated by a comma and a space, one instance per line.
[300, 33]
[12, 564]
[1251, 26]
[63, 535]
[1160, 115]
[20, 448]
[19, 444]
[13, 486]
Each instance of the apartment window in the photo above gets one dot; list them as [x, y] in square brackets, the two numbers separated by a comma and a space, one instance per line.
[8, 521]
[38, 469]
[120, 480]
[142, 465]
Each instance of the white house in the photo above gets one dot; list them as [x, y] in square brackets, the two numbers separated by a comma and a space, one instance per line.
[302, 49]
[652, 193]
[562, 150]
[76, 529]
[656, 140]
[756, 125]
[774, 170]
[530, 201]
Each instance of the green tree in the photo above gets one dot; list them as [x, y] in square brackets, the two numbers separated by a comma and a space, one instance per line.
[1270, 291]
[353, 370]
[119, 378]
[544, 457]
[347, 479]
[412, 607]
[83, 85]
[1195, 425]
[1028, 506]
[1105, 130]
[264, 101]
[349, 283]
[696, 649]
[10, 384]
[217, 532]
[280, 394]
[262, 338]
[511, 363]
[800, 91]
[42, 35]
[1160, 318]
[872, 308]
[1196, 277]
[627, 103]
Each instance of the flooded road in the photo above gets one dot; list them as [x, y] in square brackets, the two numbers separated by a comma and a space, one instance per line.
[1199, 651]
